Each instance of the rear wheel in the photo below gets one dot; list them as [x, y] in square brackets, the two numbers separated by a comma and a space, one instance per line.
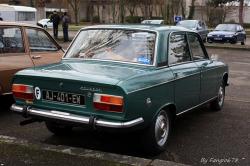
[6, 101]
[155, 138]
[218, 103]
[58, 129]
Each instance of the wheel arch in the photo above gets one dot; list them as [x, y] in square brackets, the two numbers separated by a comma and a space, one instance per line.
[225, 79]
[167, 107]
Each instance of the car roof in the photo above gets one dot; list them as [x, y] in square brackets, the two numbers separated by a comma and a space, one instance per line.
[147, 27]
[8, 23]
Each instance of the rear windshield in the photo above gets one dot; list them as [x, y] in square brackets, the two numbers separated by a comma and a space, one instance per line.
[115, 45]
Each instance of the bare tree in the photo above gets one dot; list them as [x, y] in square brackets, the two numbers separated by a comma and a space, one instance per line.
[131, 6]
[192, 10]
[241, 7]
[75, 5]
[146, 7]
[114, 10]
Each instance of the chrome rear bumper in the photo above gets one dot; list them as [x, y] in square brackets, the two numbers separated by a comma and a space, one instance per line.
[68, 117]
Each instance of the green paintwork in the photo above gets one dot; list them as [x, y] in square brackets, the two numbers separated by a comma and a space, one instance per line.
[183, 85]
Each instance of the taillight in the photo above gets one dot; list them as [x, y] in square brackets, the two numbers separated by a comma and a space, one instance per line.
[108, 103]
[22, 91]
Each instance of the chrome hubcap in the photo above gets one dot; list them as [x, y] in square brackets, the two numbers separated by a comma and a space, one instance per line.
[221, 96]
[161, 129]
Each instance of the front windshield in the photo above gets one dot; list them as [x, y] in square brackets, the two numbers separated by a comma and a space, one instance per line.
[226, 27]
[190, 24]
[114, 44]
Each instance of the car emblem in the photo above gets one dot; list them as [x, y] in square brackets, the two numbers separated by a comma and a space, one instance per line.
[92, 89]
[38, 93]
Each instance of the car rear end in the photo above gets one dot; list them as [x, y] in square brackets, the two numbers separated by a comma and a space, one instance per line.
[74, 102]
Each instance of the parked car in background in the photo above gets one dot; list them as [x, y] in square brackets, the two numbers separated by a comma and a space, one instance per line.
[131, 77]
[227, 33]
[152, 22]
[23, 46]
[45, 23]
[195, 25]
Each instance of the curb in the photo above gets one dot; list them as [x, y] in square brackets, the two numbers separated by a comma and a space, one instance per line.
[87, 154]
[245, 48]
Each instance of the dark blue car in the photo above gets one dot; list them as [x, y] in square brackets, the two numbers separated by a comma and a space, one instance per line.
[227, 33]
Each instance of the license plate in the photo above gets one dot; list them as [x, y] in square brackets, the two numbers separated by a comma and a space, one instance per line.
[217, 38]
[63, 97]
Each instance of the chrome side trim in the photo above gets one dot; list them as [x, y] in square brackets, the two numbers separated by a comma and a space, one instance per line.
[148, 87]
[74, 118]
[196, 106]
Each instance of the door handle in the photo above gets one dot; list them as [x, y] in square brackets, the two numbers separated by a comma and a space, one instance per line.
[36, 57]
[175, 75]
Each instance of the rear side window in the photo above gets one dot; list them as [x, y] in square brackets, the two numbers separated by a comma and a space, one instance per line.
[178, 49]
[39, 41]
[11, 40]
[195, 47]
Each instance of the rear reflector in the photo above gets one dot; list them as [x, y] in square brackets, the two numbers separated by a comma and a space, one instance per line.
[22, 91]
[108, 103]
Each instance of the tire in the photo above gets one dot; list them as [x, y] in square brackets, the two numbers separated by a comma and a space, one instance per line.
[155, 138]
[6, 101]
[58, 129]
[209, 41]
[234, 40]
[218, 103]
[243, 42]
[204, 40]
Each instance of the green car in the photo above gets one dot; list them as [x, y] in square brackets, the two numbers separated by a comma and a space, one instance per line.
[123, 78]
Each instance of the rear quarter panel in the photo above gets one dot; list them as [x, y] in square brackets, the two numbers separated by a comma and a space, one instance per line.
[147, 94]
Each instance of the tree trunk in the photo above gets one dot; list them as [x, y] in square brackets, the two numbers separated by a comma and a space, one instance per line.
[241, 6]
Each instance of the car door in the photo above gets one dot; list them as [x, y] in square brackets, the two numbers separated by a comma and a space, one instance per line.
[13, 55]
[186, 73]
[208, 75]
[42, 48]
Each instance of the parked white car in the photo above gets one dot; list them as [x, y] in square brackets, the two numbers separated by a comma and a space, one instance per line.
[45, 23]
[152, 22]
